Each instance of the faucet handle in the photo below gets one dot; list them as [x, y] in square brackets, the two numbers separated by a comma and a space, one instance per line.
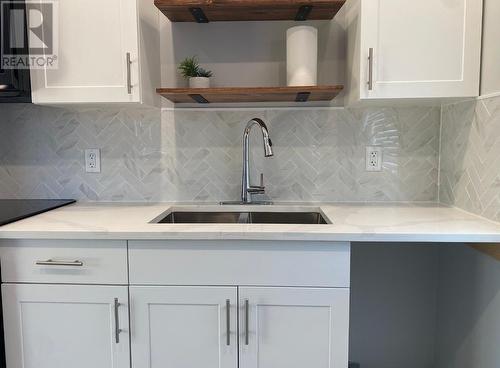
[261, 186]
[258, 189]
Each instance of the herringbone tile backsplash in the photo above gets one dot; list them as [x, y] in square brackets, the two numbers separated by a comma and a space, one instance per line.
[470, 154]
[195, 155]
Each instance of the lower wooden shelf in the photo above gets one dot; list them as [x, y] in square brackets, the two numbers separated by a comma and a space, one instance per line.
[250, 94]
[493, 250]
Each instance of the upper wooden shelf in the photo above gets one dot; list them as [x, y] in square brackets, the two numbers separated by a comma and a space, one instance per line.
[204, 11]
[250, 94]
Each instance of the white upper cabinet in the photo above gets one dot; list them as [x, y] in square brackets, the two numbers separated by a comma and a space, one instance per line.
[97, 38]
[419, 49]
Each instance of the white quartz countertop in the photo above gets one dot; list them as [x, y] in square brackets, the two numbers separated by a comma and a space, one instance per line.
[350, 222]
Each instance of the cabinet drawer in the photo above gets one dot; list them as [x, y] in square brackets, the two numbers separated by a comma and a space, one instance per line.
[67, 261]
[257, 263]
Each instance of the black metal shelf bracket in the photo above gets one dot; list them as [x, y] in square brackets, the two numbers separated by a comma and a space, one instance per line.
[303, 13]
[199, 15]
[199, 98]
[302, 96]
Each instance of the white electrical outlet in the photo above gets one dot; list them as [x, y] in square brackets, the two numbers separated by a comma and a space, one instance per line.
[373, 158]
[93, 160]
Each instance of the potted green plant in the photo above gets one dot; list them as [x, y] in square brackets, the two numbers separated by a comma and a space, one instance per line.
[192, 71]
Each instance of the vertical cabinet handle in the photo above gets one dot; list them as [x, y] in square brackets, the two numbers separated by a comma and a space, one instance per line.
[117, 322]
[228, 322]
[370, 69]
[129, 76]
[247, 312]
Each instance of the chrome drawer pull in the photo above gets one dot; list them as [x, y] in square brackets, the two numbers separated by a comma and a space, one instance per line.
[51, 262]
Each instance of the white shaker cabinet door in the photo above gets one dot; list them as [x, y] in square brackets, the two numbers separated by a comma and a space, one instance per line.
[425, 48]
[420, 49]
[56, 326]
[184, 327]
[293, 327]
[94, 37]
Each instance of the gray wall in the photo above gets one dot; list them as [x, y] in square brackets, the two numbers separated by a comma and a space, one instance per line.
[470, 148]
[424, 306]
[469, 309]
[247, 54]
[394, 290]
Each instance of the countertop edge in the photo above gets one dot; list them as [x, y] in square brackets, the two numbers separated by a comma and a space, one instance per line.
[258, 236]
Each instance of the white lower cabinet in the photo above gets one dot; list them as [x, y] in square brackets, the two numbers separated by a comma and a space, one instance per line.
[293, 327]
[61, 326]
[184, 327]
[190, 304]
[189, 327]
[239, 304]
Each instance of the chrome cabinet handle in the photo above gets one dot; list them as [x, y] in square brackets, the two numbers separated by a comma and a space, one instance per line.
[370, 69]
[246, 320]
[117, 322]
[129, 76]
[228, 322]
[51, 262]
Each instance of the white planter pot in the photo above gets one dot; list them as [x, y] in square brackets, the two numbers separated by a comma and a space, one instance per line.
[199, 82]
[302, 56]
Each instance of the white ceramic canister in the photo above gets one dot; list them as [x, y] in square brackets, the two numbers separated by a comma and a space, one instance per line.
[302, 56]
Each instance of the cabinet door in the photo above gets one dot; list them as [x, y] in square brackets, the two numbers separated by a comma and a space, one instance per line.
[421, 49]
[55, 326]
[184, 327]
[94, 39]
[294, 327]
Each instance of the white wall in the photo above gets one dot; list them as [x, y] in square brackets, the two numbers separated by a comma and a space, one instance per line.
[247, 54]
[393, 305]
[469, 309]
[490, 79]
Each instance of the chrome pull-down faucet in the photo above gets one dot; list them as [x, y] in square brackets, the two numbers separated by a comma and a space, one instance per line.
[246, 188]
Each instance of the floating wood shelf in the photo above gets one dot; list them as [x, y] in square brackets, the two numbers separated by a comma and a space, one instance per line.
[204, 11]
[493, 250]
[250, 94]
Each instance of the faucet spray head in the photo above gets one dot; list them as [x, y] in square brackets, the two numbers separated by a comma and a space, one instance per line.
[268, 146]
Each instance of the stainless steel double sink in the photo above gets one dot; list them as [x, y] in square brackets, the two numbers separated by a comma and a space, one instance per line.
[237, 217]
